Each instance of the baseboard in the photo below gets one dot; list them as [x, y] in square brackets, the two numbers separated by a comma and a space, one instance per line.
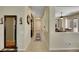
[63, 49]
[21, 50]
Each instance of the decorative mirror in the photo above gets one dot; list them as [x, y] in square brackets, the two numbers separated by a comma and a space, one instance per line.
[28, 19]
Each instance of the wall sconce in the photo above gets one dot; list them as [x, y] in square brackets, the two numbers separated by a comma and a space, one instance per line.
[1, 21]
[21, 20]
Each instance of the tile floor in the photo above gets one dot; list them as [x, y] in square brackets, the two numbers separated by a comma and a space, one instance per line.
[39, 45]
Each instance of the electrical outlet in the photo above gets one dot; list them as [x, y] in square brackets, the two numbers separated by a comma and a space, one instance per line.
[67, 44]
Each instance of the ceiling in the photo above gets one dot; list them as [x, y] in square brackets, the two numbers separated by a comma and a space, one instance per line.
[66, 10]
[38, 10]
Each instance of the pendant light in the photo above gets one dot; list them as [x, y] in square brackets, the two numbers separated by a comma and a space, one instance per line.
[61, 17]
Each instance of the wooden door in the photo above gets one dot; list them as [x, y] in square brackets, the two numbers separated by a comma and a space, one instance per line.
[10, 31]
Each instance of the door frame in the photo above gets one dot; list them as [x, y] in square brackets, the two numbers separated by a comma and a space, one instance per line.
[15, 30]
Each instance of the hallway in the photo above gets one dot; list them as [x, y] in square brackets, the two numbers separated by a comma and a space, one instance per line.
[39, 41]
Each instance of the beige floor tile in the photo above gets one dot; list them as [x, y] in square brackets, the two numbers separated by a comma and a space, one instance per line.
[39, 46]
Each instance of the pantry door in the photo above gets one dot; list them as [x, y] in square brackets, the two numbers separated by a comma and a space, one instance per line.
[10, 31]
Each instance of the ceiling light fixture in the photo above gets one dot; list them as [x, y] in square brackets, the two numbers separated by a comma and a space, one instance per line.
[61, 17]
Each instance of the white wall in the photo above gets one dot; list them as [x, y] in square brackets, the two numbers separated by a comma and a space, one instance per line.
[27, 38]
[62, 40]
[45, 19]
[66, 10]
[1, 33]
[22, 29]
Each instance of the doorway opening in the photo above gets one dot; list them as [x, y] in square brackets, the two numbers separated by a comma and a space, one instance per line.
[32, 26]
